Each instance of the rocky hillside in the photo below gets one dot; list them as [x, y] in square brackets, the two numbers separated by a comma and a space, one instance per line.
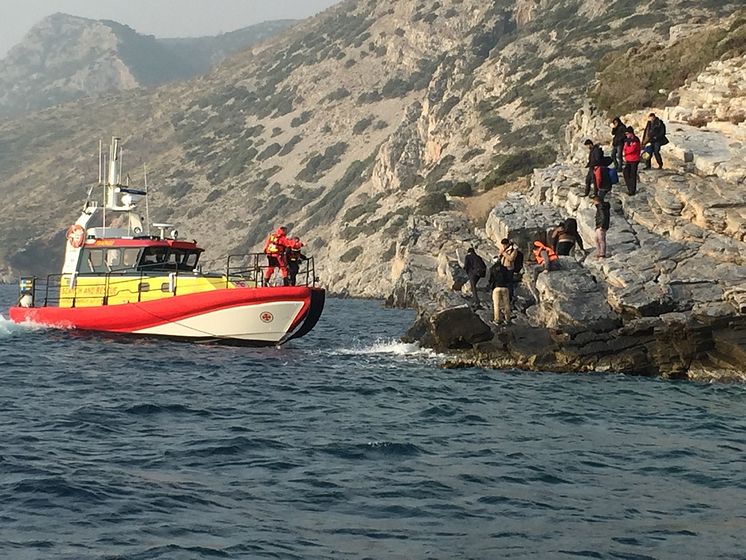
[343, 128]
[66, 57]
[669, 299]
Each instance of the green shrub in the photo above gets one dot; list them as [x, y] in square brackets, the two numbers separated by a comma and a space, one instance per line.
[338, 94]
[432, 203]
[362, 125]
[287, 148]
[462, 188]
[318, 164]
[471, 154]
[369, 97]
[495, 124]
[439, 171]
[303, 118]
[269, 151]
[351, 255]
[518, 165]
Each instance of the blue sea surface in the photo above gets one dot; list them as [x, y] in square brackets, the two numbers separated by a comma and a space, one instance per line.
[347, 444]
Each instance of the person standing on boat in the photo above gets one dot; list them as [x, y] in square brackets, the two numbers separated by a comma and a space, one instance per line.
[274, 248]
[294, 257]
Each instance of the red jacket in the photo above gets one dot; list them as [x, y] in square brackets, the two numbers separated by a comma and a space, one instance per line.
[632, 150]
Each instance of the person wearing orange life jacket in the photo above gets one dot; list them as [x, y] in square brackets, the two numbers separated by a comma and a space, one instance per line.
[546, 259]
[545, 254]
[274, 248]
[294, 257]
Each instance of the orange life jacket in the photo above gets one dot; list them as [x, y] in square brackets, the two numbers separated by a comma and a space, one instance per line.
[540, 247]
[275, 244]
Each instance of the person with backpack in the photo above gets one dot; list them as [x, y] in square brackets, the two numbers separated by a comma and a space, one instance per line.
[617, 141]
[475, 269]
[632, 158]
[655, 135]
[596, 159]
[500, 281]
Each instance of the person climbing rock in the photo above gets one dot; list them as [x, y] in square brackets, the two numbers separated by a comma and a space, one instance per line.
[499, 283]
[476, 269]
[603, 220]
[632, 157]
[655, 135]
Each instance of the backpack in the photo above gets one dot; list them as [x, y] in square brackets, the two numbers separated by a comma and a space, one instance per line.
[613, 175]
[606, 161]
[481, 269]
[518, 264]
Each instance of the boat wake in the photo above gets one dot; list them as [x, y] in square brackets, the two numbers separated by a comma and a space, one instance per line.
[9, 328]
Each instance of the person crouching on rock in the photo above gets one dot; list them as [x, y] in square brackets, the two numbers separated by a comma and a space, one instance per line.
[632, 157]
[565, 236]
[294, 257]
[500, 281]
[475, 268]
[274, 248]
[546, 260]
[603, 220]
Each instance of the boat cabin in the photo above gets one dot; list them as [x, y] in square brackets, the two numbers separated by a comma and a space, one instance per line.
[138, 256]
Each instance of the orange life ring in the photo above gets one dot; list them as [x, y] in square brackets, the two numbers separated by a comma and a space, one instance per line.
[76, 236]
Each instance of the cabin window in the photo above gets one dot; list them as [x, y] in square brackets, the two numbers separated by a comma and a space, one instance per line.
[92, 261]
[113, 259]
[129, 257]
[154, 258]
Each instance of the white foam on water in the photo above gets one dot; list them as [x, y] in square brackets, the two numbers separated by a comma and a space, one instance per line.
[389, 347]
[9, 328]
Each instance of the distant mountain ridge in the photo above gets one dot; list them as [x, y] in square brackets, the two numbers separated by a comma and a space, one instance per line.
[66, 57]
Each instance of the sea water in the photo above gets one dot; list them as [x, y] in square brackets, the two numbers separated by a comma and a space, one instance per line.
[350, 444]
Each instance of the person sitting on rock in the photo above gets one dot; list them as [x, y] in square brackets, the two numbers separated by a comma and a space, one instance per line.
[475, 268]
[500, 281]
[603, 220]
[617, 141]
[632, 157]
[655, 135]
[565, 236]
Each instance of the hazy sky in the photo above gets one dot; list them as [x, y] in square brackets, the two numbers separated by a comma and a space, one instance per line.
[162, 18]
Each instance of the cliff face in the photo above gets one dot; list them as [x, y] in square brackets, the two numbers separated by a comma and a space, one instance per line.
[343, 128]
[64, 57]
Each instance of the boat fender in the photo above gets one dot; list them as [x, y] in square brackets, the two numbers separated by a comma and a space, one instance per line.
[26, 300]
[76, 236]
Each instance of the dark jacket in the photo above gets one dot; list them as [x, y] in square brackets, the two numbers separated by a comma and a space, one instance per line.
[603, 215]
[596, 156]
[655, 131]
[618, 134]
[294, 255]
[474, 265]
[500, 277]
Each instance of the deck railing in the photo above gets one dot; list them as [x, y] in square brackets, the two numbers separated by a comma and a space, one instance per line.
[241, 271]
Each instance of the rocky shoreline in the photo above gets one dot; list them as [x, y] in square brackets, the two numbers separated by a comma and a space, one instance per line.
[670, 300]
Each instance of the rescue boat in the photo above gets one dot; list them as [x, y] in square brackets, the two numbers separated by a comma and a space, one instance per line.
[118, 278]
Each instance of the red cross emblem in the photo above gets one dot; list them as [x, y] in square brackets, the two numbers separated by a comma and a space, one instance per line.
[267, 317]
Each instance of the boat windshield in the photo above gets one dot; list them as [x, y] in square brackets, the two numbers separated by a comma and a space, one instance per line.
[167, 259]
[130, 260]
